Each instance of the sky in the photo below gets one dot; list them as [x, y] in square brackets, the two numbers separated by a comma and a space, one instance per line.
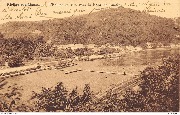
[49, 9]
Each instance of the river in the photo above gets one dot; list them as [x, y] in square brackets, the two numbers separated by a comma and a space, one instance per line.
[144, 57]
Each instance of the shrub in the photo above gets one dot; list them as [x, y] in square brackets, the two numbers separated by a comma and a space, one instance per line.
[58, 99]
[10, 100]
[15, 61]
[159, 88]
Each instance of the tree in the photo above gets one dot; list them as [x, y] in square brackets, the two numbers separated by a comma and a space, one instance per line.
[1, 35]
[15, 61]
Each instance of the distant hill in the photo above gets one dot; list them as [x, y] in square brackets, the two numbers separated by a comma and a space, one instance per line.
[117, 26]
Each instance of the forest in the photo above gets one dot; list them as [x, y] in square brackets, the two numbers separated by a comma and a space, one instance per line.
[116, 26]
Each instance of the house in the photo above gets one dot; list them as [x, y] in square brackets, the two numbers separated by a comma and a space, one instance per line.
[149, 45]
[6, 64]
[72, 46]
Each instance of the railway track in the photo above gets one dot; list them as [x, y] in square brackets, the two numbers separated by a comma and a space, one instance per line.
[121, 87]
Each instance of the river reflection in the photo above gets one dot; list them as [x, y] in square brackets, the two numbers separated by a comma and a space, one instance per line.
[145, 57]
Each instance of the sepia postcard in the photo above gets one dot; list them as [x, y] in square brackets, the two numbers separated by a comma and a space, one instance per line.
[89, 56]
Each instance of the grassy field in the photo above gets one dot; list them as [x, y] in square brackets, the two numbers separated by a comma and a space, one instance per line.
[99, 82]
